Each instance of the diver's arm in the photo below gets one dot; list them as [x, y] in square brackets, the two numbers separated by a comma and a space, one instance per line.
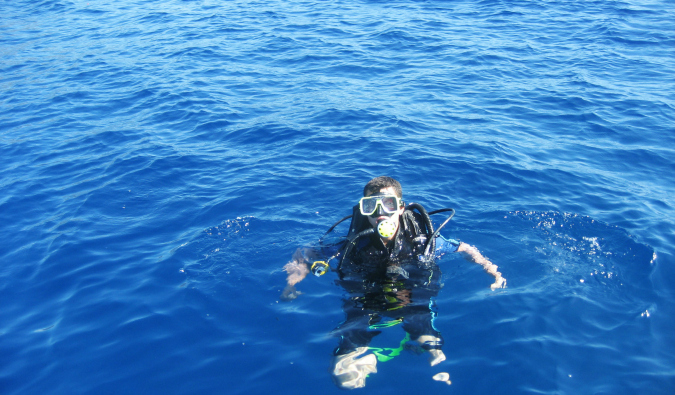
[471, 254]
[297, 270]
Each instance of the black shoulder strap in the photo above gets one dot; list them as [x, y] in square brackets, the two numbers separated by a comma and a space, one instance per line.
[411, 224]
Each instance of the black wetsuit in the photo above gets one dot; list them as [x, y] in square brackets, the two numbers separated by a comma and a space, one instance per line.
[385, 284]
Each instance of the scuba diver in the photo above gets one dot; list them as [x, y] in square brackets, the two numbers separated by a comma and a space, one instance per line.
[387, 267]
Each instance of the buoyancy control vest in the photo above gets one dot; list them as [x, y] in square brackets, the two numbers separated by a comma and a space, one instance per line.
[414, 223]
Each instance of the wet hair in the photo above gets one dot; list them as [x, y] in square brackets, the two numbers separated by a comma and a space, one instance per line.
[377, 183]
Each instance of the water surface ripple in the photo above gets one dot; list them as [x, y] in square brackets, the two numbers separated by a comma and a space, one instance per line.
[160, 162]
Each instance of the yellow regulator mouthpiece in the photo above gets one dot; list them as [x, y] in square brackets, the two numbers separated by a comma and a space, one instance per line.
[386, 228]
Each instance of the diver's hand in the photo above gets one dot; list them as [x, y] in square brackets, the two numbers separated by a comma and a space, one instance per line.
[403, 296]
[289, 293]
[297, 271]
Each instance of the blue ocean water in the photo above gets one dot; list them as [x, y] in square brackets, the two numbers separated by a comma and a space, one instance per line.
[160, 161]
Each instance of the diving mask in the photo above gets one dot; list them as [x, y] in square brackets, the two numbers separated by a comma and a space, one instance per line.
[389, 203]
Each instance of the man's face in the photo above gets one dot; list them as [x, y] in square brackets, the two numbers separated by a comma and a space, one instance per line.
[375, 218]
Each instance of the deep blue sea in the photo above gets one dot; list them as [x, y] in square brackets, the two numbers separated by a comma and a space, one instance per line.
[160, 161]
